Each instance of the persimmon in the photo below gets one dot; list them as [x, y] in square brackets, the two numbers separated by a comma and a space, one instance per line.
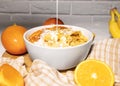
[12, 39]
[50, 21]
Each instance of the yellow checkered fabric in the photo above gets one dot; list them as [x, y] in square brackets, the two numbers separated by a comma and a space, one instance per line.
[41, 74]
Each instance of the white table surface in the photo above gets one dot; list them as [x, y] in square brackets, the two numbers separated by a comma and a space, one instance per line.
[100, 29]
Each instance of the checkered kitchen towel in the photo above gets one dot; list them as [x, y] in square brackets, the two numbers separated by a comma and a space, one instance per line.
[41, 74]
[108, 50]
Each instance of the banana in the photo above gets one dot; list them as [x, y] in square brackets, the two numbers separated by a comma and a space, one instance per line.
[113, 26]
[117, 14]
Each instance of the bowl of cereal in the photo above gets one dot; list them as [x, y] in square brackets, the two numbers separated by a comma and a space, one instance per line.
[60, 46]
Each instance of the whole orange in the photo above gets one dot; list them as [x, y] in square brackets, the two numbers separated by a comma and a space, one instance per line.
[12, 39]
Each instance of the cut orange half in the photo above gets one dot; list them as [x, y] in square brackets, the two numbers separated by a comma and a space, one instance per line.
[93, 73]
[9, 76]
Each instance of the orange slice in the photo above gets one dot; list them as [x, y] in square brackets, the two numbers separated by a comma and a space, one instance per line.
[93, 73]
[9, 76]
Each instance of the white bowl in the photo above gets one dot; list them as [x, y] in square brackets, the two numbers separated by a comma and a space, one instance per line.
[59, 58]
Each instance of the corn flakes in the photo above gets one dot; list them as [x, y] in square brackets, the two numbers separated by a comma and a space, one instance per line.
[57, 36]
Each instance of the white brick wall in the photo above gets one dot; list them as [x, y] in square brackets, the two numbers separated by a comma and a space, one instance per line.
[35, 12]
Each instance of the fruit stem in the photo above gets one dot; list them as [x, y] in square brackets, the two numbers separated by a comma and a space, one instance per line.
[14, 24]
[116, 12]
[112, 15]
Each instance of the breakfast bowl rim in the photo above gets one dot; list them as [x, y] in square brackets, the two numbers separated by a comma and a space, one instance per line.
[47, 47]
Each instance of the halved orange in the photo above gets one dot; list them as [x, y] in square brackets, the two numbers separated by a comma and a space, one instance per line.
[93, 73]
[9, 76]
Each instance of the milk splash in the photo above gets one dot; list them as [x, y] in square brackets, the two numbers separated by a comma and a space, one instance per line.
[57, 7]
